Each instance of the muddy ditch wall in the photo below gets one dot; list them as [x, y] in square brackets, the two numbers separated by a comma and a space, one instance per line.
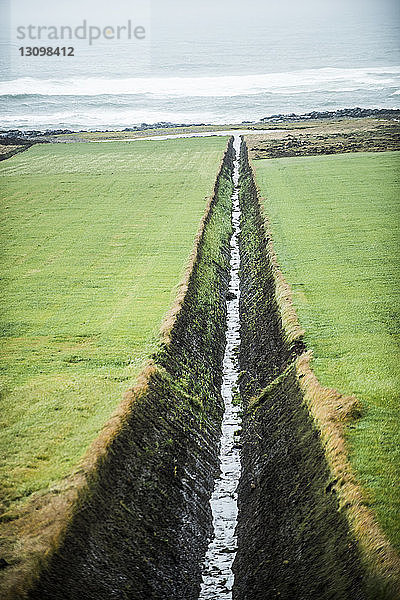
[142, 528]
[292, 540]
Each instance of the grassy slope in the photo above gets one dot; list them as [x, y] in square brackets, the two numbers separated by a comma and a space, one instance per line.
[95, 239]
[335, 224]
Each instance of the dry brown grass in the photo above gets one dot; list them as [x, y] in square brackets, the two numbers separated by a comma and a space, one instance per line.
[30, 539]
[331, 411]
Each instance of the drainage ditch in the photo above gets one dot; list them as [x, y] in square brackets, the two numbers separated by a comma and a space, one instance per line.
[145, 527]
[217, 571]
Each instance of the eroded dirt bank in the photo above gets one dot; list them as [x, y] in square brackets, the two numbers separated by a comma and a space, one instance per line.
[292, 540]
[142, 530]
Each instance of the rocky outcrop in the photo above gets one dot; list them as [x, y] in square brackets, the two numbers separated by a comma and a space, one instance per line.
[343, 113]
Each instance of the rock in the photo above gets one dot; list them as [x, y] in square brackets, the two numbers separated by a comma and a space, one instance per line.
[230, 296]
[356, 112]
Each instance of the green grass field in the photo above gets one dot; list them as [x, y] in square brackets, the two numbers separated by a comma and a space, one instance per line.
[95, 238]
[335, 226]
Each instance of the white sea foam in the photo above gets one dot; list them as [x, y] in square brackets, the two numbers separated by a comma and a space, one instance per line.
[292, 82]
[103, 118]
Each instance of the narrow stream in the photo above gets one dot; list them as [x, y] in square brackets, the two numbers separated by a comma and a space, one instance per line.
[217, 569]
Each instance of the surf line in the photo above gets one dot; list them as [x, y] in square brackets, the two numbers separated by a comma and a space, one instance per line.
[217, 571]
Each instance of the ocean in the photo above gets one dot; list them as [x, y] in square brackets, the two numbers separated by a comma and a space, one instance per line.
[211, 62]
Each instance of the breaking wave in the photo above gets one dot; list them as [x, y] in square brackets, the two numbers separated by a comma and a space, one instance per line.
[292, 82]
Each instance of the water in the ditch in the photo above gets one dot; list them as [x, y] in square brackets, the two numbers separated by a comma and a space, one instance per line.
[217, 569]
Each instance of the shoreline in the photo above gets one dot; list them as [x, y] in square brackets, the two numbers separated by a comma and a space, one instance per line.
[278, 136]
[281, 118]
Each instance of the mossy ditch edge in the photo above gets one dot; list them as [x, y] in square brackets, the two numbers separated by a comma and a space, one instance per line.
[327, 410]
[53, 528]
